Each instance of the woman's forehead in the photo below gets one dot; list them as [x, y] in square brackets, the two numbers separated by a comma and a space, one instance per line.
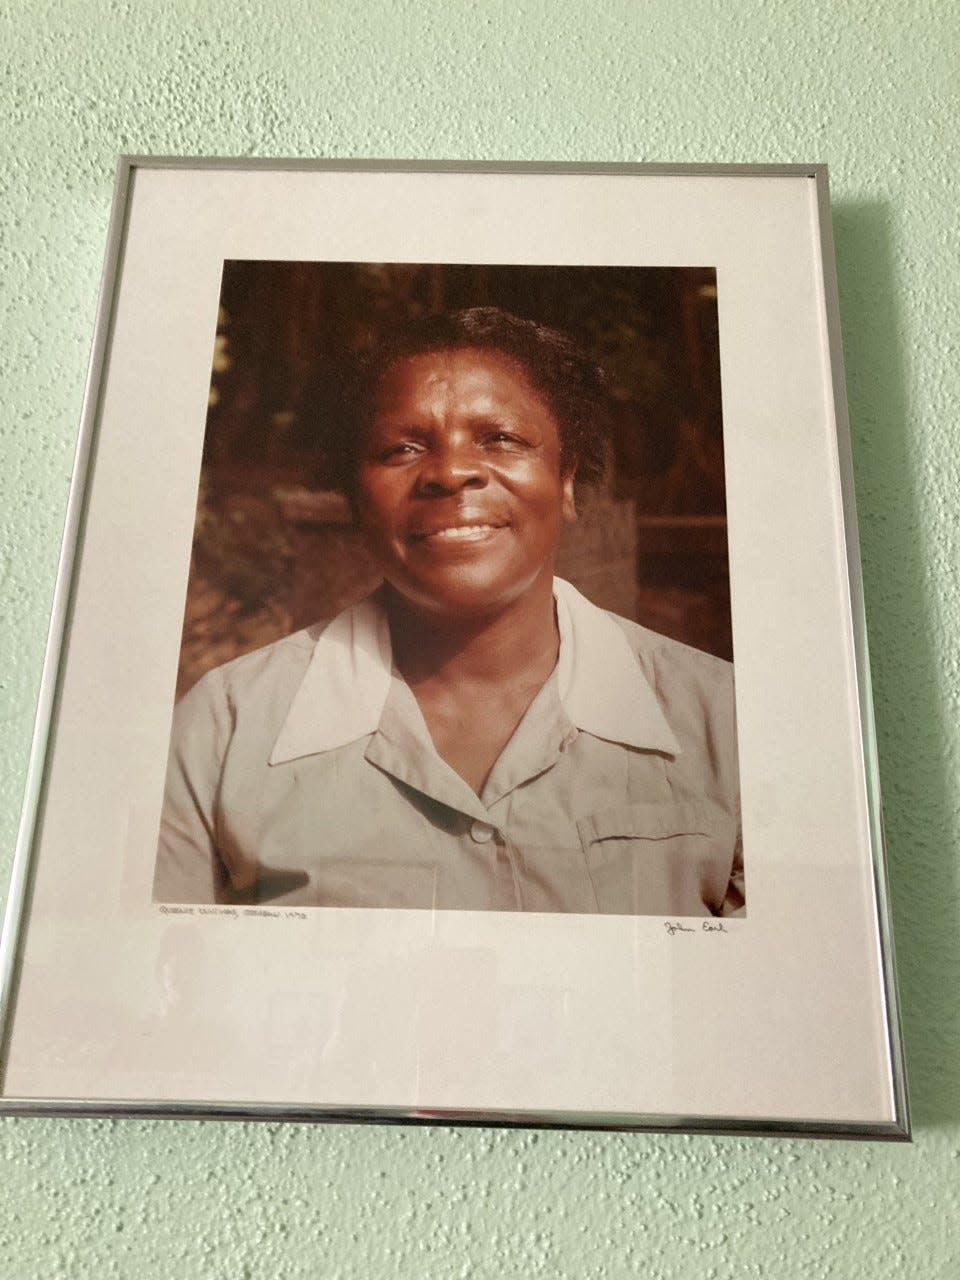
[455, 375]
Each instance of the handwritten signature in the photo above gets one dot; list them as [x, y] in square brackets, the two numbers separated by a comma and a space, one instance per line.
[706, 926]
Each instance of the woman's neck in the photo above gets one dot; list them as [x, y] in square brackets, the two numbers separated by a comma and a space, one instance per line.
[517, 644]
[474, 679]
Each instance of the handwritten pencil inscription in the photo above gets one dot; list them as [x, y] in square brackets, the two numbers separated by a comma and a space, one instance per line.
[706, 926]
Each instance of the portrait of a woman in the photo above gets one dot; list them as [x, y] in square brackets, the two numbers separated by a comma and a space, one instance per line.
[475, 734]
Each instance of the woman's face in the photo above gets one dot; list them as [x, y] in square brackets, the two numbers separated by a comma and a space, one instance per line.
[460, 492]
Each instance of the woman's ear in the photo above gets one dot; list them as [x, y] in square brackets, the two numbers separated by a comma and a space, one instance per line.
[568, 505]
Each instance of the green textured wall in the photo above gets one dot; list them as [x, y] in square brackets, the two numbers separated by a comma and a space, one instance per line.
[869, 88]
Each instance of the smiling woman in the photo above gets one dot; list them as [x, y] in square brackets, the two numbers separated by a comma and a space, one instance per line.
[461, 495]
[476, 734]
[460, 487]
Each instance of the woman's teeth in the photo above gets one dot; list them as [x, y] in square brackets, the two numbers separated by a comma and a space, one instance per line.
[463, 531]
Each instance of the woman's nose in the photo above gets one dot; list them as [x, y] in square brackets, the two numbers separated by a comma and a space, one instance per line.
[450, 468]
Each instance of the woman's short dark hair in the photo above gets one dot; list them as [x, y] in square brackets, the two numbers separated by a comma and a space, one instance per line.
[572, 384]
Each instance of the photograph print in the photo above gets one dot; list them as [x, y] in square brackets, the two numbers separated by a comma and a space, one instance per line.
[457, 631]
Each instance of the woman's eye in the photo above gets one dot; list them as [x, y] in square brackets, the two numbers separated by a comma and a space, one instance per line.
[399, 452]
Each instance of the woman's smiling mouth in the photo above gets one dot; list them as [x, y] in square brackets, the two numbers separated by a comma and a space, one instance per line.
[458, 533]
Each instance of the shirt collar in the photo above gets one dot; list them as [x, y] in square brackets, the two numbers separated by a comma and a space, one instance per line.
[602, 688]
[345, 687]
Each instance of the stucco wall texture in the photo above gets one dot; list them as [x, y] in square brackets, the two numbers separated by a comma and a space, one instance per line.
[870, 88]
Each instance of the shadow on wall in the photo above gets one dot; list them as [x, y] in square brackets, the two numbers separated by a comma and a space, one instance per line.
[902, 628]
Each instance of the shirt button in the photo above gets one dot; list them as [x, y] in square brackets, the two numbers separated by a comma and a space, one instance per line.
[482, 832]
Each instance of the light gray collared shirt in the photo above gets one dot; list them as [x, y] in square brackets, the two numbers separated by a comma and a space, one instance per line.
[304, 774]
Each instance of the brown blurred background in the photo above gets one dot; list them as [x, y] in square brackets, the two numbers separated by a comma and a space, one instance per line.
[274, 549]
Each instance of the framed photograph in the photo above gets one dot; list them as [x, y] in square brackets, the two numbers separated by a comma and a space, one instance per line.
[457, 704]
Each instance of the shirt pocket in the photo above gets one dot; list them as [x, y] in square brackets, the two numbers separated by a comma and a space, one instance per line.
[660, 859]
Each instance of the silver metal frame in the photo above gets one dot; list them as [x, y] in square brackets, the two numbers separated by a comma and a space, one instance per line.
[17, 905]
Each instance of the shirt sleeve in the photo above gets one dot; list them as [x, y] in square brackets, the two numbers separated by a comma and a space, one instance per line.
[188, 866]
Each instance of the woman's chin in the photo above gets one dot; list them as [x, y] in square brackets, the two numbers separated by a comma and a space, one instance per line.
[464, 592]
